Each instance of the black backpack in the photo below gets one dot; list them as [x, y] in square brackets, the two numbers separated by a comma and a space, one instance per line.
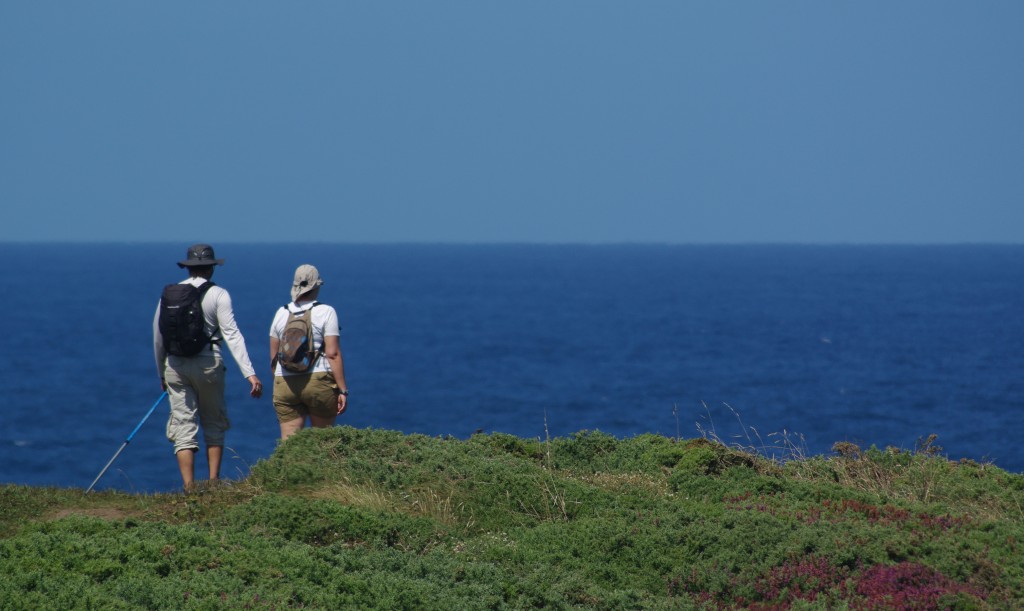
[297, 351]
[181, 319]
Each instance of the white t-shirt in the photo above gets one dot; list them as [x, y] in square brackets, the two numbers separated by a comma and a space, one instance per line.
[325, 322]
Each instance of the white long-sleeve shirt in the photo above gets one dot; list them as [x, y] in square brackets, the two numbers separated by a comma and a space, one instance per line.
[220, 324]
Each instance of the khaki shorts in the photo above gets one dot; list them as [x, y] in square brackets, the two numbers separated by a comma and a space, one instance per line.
[297, 396]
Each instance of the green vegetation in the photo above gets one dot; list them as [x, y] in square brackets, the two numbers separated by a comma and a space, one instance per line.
[348, 518]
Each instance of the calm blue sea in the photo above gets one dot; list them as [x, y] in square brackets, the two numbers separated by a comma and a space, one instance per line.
[878, 345]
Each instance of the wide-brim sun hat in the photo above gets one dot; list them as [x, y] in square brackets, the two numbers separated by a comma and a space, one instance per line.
[306, 279]
[200, 255]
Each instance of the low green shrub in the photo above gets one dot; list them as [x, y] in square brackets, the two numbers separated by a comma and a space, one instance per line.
[323, 522]
[349, 518]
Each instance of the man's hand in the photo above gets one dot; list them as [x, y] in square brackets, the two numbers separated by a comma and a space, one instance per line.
[257, 387]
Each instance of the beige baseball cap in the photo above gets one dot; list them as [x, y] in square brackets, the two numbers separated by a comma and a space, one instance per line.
[307, 278]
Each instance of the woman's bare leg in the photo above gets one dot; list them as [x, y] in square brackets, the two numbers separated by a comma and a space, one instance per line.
[291, 427]
[320, 422]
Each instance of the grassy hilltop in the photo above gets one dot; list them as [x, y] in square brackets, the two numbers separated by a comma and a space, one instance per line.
[349, 518]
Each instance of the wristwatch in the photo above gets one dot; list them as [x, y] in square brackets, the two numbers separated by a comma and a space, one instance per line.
[342, 392]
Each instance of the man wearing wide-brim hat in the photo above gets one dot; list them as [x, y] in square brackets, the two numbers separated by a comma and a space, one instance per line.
[195, 383]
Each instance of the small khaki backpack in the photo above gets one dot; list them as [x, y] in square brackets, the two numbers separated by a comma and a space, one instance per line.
[297, 351]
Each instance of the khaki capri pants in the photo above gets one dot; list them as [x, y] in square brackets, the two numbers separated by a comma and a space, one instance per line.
[196, 389]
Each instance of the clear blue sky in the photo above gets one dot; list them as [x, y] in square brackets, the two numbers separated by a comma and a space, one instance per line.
[521, 121]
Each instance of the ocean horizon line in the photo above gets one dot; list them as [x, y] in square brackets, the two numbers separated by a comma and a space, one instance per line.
[513, 243]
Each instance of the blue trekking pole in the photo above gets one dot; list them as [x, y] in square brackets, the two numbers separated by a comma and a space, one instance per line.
[126, 441]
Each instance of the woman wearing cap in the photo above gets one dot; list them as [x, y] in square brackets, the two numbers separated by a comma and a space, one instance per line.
[320, 393]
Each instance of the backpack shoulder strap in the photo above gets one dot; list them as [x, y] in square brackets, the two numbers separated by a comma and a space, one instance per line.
[203, 288]
[206, 286]
[288, 308]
